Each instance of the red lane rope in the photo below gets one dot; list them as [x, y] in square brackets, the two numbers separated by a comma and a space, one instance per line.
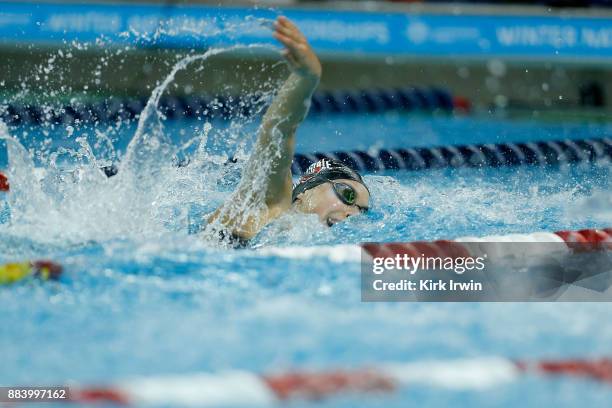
[600, 370]
[99, 395]
[323, 384]
[593, 238]
[319, 385]
[47, 269]
[4, 183]
[586, 239]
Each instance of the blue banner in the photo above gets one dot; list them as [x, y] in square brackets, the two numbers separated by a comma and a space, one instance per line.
[330, 32]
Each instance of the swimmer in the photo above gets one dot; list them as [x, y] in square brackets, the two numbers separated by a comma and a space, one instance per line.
[329, 189]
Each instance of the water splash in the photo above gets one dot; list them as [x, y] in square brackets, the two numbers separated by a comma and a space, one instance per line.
[26, 197]
[150, 196]
[151, 148]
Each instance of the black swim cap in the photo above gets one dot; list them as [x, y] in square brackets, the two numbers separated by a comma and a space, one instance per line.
[323, 171]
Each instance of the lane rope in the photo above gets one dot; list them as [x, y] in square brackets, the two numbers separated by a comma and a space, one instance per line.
[4, 183]
[423, 158]
[475, 155]
[495, 246]
[240, 388]
[226, 107]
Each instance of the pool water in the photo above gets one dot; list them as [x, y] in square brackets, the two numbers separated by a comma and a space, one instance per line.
[142, 296]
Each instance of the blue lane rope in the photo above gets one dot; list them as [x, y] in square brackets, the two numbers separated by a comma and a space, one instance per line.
[476, 155]
[482, 155]
[113, 109]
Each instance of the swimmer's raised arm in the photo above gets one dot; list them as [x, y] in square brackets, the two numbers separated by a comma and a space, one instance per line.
[289, 107]
[278, 127]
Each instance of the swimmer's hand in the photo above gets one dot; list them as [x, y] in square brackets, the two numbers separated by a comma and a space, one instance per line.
[298, 53]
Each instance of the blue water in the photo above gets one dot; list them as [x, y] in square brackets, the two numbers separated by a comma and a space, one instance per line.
[142, 300]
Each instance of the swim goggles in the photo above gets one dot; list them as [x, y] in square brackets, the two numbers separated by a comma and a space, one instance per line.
[346, 193]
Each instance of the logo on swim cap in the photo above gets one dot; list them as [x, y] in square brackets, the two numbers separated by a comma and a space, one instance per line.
[316, 167]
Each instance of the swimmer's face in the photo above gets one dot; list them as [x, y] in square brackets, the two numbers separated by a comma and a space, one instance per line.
[323, 201]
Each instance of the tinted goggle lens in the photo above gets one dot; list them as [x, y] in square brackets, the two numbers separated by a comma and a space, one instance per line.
[346, 193]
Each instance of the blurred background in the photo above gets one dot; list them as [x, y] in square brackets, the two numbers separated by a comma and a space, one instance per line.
[535, 56]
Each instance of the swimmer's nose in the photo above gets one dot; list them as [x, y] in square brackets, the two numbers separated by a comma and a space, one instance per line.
[352, 211]
[346, 215]
[341, 216]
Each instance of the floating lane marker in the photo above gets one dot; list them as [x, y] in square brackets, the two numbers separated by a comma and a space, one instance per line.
[4, 183]
[423, 158]
[482, 155]
[239, 388]
[173, 107]
[41, 269]
[495, 246]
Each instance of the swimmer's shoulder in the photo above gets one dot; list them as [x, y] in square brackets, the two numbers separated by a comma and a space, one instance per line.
[241, 230]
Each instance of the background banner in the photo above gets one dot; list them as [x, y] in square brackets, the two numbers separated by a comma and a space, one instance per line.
[345, 33]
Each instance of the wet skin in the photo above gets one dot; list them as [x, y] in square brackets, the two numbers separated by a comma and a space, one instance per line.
[323, 201]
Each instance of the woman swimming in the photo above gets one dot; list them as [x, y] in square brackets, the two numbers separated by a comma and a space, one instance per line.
[328, 189]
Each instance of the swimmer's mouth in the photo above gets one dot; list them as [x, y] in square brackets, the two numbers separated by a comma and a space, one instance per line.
[330, 222]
